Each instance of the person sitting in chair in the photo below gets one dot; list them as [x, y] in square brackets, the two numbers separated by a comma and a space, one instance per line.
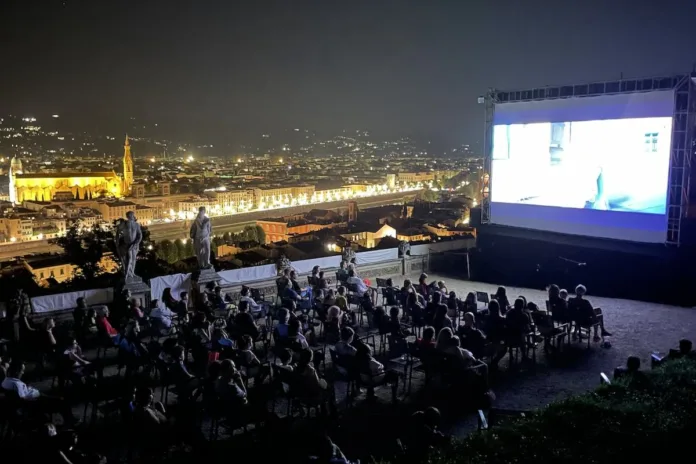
[585, 314]
[33, 398]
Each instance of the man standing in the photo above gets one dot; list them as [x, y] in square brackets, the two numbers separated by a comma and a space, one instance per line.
[200, 234]
[128, 238]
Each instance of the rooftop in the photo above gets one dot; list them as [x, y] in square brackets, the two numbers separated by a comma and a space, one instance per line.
[60, 175]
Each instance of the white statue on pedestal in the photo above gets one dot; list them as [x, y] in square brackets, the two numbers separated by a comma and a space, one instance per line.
[200, 234]
[128, 238]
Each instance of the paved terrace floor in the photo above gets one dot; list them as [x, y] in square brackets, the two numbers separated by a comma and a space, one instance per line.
[638, 329]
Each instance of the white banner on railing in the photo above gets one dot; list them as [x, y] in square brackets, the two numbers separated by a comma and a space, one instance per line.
[177, 282]
[306, 265]
[377, 256]
[67, 301]
[419, 250]
[248, 274]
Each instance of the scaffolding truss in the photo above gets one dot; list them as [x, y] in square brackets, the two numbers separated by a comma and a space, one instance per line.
[683, 143]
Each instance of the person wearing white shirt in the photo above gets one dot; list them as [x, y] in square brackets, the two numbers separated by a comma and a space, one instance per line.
[359, 284]
[257, 310]
[44, 403]
[162, 316]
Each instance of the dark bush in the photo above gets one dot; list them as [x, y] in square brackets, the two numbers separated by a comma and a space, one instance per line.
[617, 423]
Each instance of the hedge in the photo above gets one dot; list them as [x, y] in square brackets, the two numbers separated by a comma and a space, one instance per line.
[616, 423]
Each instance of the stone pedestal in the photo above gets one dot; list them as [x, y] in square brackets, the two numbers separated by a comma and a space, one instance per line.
[200, 279]
[138, 290]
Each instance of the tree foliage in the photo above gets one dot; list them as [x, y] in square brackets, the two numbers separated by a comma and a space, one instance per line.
[85, 247]
[260, 234]
[167, 251]
[430, 195]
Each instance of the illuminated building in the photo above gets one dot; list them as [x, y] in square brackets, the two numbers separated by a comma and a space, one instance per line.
[423, 177]
[368, 235]
[280, 229]
[127, 168]
[16, 229]
[67, 186]
[112, 210]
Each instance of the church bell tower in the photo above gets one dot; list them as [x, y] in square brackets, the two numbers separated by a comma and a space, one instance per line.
[127, 168]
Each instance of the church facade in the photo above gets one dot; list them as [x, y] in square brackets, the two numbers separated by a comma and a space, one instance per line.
[68, 186]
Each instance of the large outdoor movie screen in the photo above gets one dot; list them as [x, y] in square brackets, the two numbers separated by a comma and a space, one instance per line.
[595, 166]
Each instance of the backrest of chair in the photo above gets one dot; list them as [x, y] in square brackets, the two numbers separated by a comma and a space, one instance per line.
[381, 282]
[352, 287]
[482, 297]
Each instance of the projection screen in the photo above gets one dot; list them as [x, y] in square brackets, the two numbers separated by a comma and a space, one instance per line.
[593, 166]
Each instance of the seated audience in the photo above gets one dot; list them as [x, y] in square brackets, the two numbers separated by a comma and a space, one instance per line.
[342, 273]
[342, 299]
[181, 309]
[161, 317]
[396, 329]
[89, 324]
[471, 303]
[558, 306]
[47, 341]
[136, 312]
[244, 323]
[105, 326]
[423, 288]
[295, 335]
[462, 358]
[33, 398]
[441, 318]
[372, 372]
[230, 387]
[281, 329]
[390, 293]
[201, 329]
[360, 285]
[186, 383]
[452, 305]
[149, 415]
[501, 297]
[585, 314]
[250, 362]
[415, 308]
[427, 342]
[285, 358]
[443, 339]
[257, 310]
[73, 353]
[471, 338]
[517, 323]
[311, 386]
[345, 346]
[495, 322]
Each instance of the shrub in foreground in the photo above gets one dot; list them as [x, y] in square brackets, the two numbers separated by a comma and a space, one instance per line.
[616, 423]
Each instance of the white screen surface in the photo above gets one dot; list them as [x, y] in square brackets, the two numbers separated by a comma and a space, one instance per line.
[596, 166]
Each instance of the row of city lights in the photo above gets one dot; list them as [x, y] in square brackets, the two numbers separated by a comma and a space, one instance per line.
[284, 201]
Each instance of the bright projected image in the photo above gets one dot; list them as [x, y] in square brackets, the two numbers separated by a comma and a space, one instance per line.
[617, 165]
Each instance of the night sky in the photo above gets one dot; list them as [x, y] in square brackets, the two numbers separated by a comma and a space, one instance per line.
[229, 70]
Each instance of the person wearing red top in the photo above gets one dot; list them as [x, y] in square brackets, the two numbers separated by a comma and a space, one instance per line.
[428, 340]
[104, 325]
